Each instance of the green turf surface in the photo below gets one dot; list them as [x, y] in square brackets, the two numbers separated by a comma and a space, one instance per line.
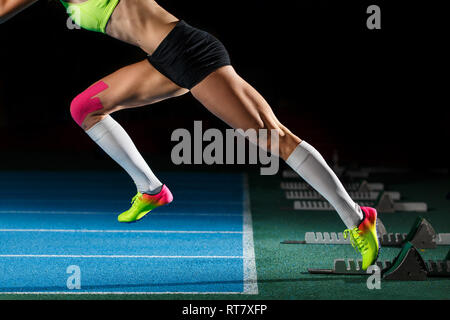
[282, 269]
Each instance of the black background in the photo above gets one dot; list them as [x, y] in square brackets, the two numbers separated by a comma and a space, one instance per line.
[172, 309]
[377, 96]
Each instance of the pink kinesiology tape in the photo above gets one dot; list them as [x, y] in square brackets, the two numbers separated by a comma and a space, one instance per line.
[84, 103]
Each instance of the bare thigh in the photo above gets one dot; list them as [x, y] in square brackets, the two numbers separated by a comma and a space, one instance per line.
[136, 85]
[237, 103]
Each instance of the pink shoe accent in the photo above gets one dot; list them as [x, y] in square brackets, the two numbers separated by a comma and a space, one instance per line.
[160, 199]
[369, 219]
[84, 104]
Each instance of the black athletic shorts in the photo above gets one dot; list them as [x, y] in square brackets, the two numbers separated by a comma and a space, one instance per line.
[188, 55]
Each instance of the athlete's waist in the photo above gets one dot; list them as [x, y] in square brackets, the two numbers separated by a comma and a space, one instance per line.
[140, 24]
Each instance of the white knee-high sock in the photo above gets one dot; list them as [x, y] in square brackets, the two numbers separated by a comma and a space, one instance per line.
[312, 167]
[115, 141]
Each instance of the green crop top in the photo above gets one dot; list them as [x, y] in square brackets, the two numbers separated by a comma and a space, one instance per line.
[92, 15]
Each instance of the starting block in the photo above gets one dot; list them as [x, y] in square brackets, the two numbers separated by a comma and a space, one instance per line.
[355, 195]
[384, 204]
[422, 235]
[363, 173]
[364, 186]
[340, 172]
[331, 237]
[407, 266]
[317, 205]
[387, 205]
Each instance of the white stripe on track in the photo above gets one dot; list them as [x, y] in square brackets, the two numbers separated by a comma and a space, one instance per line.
[112, 293]
[250, 274]
[119, 202]
[115, 213]
[119, 231]
[113, 256]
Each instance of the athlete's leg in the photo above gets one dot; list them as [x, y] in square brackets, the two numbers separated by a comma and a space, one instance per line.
[132, 86]
[233, 100]
[136, 85]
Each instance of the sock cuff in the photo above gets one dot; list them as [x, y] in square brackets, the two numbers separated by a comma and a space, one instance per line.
[101, 128]
[300, 154]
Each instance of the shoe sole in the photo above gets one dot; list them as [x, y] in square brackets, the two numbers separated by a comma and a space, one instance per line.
[129, 222]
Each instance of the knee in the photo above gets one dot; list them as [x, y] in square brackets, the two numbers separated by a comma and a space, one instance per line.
[86, 103]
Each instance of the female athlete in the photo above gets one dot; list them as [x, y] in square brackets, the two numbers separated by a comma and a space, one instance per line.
[184, 59]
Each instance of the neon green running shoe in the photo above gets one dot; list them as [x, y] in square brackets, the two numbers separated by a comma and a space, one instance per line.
[143, 203]
[364, 238]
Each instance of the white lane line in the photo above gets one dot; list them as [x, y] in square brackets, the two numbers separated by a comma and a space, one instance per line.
[108, 201]
[250, 274]
[115, 213]
[113, 256]
[112, 293]
[119, 231]
[50, 212]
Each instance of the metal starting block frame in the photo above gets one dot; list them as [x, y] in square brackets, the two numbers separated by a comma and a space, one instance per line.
[349, 267]
[364, 186]
[351, 173]
[317, 205]
[355, 195]
[291, 174]
[422, 235]
[407, 266]
[384, 204]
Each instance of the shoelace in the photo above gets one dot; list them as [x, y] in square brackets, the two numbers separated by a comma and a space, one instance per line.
[355, 239]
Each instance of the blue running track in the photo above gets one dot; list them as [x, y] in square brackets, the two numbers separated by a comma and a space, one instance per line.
[201, 243]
